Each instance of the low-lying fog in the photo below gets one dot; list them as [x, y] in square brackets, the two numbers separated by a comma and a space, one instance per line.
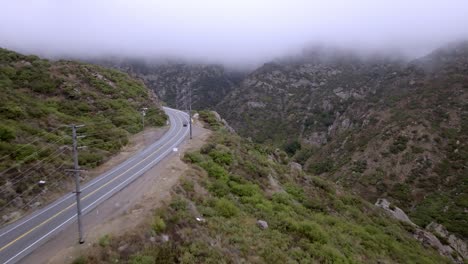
[231, 32]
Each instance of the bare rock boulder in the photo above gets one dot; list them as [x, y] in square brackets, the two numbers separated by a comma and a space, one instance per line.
[393, 210]
[262, 224]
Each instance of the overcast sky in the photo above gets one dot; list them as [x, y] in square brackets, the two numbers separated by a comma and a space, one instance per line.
[235, 31]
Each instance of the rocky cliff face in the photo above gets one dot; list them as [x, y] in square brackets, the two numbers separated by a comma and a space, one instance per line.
[382, 127]
[173, 82]
[305, 98]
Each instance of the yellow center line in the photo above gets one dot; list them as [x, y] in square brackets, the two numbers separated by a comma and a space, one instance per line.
[91, 193]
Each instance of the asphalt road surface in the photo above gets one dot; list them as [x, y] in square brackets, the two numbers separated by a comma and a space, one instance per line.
[23, 236]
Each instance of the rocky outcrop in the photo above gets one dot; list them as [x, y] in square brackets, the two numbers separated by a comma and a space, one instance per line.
[430, 240]
[317, 139]
[224, 122]
[296, 168]
[454, 242]
[393, 210]
[433, 236]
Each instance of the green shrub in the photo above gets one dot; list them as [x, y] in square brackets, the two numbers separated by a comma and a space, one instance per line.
[323, 184]
[417, 149]
[209, 118]
[360, 166]
[327, 254]
[158, 225]
[315, 204]
[6, 134]
[303, 155]
[80, 260]
[207, 148]
[294, 190]
[12, 111]
[179, 204]
[90, 159]
[292, 147]
[193, 157]
[26, 153]
[221, 157]
[155, 117]
[398, 145]
[142, 259]
[104, 241]
[310, 230]
[188, 185]
[244, 189]
[219, 188]
[281, 198]
[226, 208]
[321, 167]
[214, 170]
[255, 169]
[46, 85]
[401, 192]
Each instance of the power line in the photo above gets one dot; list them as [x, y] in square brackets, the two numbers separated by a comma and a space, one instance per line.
[28, 190]
[98, 123]
[57, 181]
[103, 132]
[51, 133]
[18, 177]
[31, 155]
[30, 143]
[35, 165]
[34, 153]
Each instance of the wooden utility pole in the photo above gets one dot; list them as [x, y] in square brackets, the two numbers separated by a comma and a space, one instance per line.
[190, 111]
[76, 170]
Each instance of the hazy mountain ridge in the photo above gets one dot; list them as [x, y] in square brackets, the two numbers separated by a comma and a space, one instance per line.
[302, 94]
[381, 125]
[385, 128]
[171, 80]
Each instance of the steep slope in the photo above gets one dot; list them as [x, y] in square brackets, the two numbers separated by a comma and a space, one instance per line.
[382, 127]
[299, 97]
[40, 99]
[243, 203]
[209, 83]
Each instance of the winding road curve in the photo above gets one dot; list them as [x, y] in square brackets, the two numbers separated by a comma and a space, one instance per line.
[21, 238]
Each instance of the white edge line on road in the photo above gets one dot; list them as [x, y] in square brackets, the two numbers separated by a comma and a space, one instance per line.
[89, 184]
[118, 186]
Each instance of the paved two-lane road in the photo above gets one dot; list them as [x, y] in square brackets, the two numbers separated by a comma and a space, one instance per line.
[22, 237]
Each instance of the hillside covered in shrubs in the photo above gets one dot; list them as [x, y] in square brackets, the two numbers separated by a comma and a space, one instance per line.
[40, 99]
[242, 202]
[383, 127]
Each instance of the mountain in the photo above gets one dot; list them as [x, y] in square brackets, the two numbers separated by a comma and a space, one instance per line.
[383, 127]
[40, 100]
[171, 80]
[299, 97]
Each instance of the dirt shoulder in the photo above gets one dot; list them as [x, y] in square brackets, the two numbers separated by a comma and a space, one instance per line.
[126, 209]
